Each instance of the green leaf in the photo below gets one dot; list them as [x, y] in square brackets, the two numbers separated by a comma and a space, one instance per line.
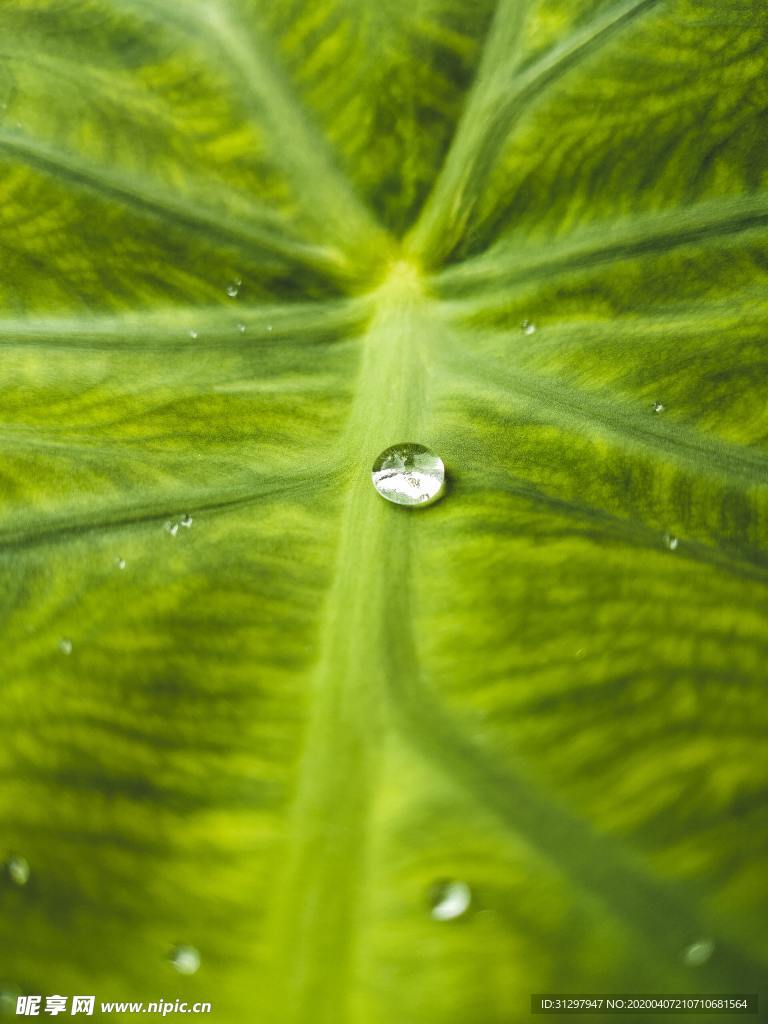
[250, 707]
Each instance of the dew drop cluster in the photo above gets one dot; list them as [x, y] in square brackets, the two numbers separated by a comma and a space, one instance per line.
[172, 527]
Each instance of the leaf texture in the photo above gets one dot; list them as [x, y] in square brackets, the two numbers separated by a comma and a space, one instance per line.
[247, 705]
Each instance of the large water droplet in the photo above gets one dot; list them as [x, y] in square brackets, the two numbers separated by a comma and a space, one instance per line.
[527, 327]
[699, 952]
[65, 645]
[449, 899]
[409, 474]
[186, 959]
[233, 288]
[658, 407]
[17, 869]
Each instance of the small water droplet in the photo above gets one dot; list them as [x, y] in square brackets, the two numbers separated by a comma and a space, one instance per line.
[187, 521]
[186, 959]
[241, 328]
[172, 528]
[120, 563]
[699, 952]
[193, 334]
[269, 327]
[449, 899]
[527, 327]
[8, 996]
[17, 869]
[671, 541]
[65, 645]
[658, 407]
[233, 289]
[409, 474]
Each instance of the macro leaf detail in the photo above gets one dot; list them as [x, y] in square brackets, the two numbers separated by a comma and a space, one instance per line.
[275, 743]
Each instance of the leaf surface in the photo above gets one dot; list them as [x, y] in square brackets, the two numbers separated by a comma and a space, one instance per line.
[249, 706]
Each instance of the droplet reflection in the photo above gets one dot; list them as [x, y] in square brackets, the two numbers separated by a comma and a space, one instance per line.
[8, 997]
[17, 869]
[449, 899]
[409, 474]
[185, 959]
[699, 952]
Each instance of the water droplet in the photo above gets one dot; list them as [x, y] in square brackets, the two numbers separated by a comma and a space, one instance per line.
[241, 328]
[8, 996]
[187, 521]
[233, 288]
[699, 952]
[172, 528]
[120, 563]
[193, 334]
[409, 474]
[527, 327]
[186, 959]
[65, 645]
[269, 327]
[671, 541]
[658, 407]
[17, 869]
[449, 899]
